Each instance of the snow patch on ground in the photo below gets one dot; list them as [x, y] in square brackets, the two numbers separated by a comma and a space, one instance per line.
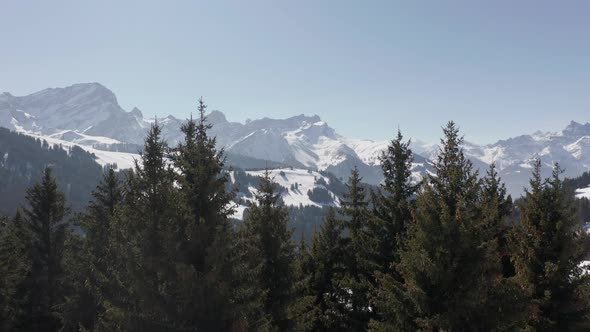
[286, 177]
[122, 159]
[583, 193]
[306, 180]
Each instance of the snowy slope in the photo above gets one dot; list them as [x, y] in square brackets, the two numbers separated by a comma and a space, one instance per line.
[297, 183]
[306, 180]
[583, 193]
[123, 160]
[88, 108]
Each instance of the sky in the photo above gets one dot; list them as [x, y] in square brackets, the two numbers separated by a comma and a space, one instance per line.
[497, 68]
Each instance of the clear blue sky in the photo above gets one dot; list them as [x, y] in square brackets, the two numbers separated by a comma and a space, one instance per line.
[498, 68]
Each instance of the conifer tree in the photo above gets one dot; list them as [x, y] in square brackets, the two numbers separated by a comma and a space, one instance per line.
[106, 198]
[89, 259]
[208, 239]
[506, 306]
[359, 249]
[15, 268]
[269, 252]
[44, 216]
[496, 207]
[549, 246]
[323, 303]
[303, 311]
[391, 203]
[142, 236]
[445, 261]
[392, 210]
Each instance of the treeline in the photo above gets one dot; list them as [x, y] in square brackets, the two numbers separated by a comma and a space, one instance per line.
[156, 251]
[579, 182]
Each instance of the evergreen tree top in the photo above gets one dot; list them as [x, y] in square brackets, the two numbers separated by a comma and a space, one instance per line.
[454, 181]
[203, 126]
[47, 203]
[267, 194]
[355, 196]
[396, 163]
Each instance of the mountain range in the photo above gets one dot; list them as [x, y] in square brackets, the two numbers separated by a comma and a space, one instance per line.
[88, 115]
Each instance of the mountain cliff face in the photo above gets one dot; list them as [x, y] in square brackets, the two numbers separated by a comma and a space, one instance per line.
[89, 115]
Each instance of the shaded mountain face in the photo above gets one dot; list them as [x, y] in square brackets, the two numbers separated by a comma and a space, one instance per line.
[23, 159]
[89, 115]
[90, 109]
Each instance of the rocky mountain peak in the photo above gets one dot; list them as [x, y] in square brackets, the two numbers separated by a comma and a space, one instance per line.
[577, 129]
[216, 117]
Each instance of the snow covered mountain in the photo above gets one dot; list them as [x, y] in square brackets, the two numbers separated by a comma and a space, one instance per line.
[304, 142]
[88, 115]
[88, 109]
[515, 157]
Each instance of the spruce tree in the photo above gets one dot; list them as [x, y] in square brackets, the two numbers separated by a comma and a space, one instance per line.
[303, 311]
[392, 207]
[269, 252]
[207, 244]
[15, 268]
[548, 247]
[360, 251]
[445, 261]
[506, 303]
[97, 223]
[497, 206]
[89, 259]
[391, 203]
[142, 238]
[151, 210]
[44, 216]
[322, 306]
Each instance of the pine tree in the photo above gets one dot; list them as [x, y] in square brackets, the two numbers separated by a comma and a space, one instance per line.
[303, 311]
[142, 237]
[506, 303]
[549, 246]
[269, 252]
[150, 212]
[106, 198]
[445, 261]
[392, 210]
[391, 203]
[45, 216]
[496, 208]
[207, 245]
[322, 305]
[88, 259]
[359, 249]
[15, 268]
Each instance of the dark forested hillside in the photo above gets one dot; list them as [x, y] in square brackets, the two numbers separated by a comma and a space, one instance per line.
[23, 159]
[581, 181]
